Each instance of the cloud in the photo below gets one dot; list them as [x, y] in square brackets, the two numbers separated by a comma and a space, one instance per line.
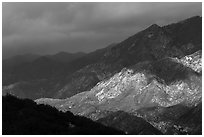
[45, 28]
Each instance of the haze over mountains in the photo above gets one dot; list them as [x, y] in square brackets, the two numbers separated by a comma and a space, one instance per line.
[26, 58]
[154, 76]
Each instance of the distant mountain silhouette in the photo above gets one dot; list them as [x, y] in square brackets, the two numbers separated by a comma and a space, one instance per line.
[19, 59]
[66, 57]
[31, 67]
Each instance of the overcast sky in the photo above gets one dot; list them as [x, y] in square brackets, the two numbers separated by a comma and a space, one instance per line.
[47, 28]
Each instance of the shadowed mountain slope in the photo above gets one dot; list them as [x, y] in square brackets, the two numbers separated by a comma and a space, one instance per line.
[129, 124]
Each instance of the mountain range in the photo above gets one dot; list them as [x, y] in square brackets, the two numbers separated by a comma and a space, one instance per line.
[61, 79]
[154, 76]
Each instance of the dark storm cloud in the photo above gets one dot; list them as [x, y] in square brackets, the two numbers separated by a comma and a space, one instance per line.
[51, 27]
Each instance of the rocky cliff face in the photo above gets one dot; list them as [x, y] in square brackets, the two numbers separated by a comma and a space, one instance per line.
[155, 91]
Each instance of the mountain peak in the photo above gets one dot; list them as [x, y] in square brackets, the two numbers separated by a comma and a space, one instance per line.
[153, 26]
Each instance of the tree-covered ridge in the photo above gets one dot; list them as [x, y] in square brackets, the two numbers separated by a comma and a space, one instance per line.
[25, 117]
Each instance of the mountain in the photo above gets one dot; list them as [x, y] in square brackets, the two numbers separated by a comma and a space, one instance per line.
[25, 117]
[82, 74]
[151, 44]
[44, 75]
[35, 70]
[40, 68]
[26, 58]
[163, 92]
